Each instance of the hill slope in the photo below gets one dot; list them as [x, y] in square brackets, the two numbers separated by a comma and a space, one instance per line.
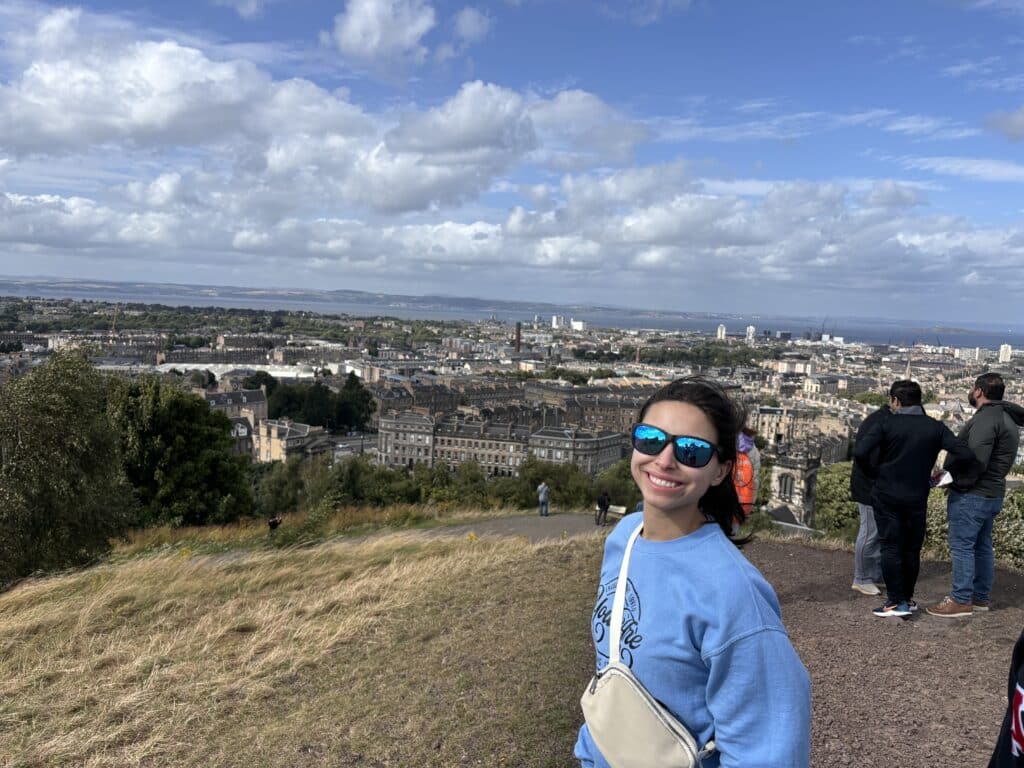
[416, 650]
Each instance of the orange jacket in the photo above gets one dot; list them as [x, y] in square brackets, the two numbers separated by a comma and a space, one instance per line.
[745, 482]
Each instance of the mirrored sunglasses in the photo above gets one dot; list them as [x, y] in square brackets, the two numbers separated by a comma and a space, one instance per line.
[688, 451]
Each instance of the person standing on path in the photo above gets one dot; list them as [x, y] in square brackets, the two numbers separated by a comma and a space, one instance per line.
[867, 554]
[993, 433]
[604, 502]
[542, 498]
[909, 442]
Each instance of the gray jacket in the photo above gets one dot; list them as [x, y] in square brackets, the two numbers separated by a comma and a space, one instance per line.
[994, 435]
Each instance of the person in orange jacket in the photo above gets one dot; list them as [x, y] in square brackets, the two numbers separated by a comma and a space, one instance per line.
[744, 475]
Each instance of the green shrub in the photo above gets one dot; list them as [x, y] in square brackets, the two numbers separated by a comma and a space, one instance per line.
[1007, 529]
[835, 513]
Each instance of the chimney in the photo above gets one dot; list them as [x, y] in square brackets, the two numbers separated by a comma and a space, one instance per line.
[519, 337]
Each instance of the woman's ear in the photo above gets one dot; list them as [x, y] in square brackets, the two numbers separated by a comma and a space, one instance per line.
[724, 471]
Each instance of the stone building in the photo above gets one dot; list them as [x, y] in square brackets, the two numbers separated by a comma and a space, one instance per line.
[250, 404]
[410, 438]
[278, 439]
[591, 452]
[793, 485]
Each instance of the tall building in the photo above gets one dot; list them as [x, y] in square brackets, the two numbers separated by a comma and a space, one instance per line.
[721, 333]
[1005, 353]
[557, 321]
[751, 331]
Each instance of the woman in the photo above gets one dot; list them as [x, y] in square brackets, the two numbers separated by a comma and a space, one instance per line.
[702, 628]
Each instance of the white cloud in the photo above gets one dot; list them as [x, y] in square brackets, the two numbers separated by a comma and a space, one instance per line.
[471, 26]
[891, 194]
[1010, 124]
[247, 9]
[980, 168]
[384, 33]
[645, 12]
[580, 128]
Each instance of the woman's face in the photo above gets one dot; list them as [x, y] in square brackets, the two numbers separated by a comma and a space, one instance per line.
[668, 486]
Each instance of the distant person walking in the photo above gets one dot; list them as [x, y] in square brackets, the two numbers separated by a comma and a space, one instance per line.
[604, 502]
[908, 442]
[542, 498]
[867, 554]
[993, 434]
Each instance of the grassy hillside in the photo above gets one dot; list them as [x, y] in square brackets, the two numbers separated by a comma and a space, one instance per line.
[397, 651]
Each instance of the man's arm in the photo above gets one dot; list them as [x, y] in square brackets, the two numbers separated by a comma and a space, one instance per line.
[962, 461]
[864, 448]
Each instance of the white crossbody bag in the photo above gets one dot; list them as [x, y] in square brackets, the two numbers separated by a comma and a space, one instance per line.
[629, 726]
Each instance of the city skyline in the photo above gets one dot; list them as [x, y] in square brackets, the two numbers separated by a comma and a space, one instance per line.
[714, 157]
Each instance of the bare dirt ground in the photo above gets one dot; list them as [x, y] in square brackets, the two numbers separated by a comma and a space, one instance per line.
[887, 692]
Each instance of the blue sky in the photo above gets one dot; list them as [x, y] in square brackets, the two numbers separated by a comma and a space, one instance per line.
[786, 157]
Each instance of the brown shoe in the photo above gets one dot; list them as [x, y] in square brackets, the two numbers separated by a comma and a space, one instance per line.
[949, 608]
[981, 605]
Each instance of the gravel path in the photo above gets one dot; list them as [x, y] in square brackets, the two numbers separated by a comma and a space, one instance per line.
[887, 692]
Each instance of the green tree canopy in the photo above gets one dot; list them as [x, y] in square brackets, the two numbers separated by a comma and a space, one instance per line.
[260, 379]
[178, 456]
[62, 492]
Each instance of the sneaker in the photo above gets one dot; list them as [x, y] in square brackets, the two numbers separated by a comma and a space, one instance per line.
[949, 608]
[981, 606]
[912, 605]
[886, 611]
[865, 589]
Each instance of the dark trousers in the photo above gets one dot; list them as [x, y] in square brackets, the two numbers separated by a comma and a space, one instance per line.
[901, 531]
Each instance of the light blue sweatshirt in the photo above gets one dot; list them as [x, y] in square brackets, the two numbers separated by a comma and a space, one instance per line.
[702, 630]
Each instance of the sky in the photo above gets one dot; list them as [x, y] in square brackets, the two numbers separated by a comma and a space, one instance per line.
[817, 158]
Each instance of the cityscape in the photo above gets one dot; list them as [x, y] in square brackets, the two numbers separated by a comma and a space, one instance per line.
[495, 392]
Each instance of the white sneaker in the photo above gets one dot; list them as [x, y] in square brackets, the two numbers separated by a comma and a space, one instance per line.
[866, 589]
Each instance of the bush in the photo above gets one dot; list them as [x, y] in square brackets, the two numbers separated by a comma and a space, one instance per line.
[1007, 529]
[835, 513]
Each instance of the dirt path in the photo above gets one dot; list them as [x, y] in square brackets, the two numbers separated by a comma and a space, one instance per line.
[887, 692]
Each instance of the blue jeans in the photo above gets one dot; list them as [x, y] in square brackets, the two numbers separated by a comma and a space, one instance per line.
[543, 508]
[867, 554]
[970, 544]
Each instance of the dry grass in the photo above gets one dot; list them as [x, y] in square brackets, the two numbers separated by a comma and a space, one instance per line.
[344, 521]
[394, 651]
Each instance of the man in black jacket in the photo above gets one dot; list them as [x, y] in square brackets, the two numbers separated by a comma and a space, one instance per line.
[908, 443]
[993, 433]
[867, 557]
[1009, 751]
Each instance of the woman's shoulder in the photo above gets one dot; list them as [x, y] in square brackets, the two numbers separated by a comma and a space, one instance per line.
[738, 579]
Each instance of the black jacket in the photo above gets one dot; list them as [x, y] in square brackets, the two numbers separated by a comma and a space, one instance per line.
[861, 482]
[1009, 752]
[994, 435]
[908, 443]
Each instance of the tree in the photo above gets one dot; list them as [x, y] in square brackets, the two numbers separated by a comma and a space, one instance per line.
[260, 379]
[63, 495]
[835, 512]
[177, 456]
[876, 399]
[354, 404]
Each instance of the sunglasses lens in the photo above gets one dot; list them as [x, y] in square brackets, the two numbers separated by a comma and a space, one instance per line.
[649, 440]
[693, 452]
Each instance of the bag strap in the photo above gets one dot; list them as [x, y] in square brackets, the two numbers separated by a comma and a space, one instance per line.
[619, 604]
